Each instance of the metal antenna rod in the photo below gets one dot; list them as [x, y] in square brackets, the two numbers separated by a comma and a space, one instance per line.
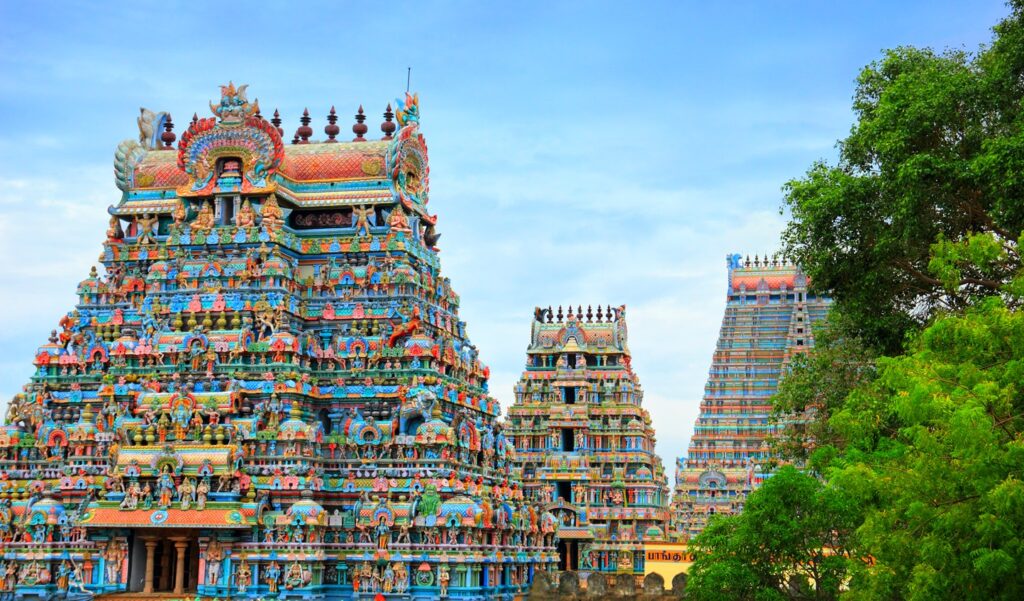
[408, 79]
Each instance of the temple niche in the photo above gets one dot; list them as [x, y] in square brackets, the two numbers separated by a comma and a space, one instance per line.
[769, 318]
[266, 390]
[584, 444]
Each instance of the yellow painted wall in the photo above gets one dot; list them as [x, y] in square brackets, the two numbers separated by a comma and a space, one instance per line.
[667, 560]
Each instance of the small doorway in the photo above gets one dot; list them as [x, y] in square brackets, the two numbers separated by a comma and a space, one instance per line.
[568, 556]
[568, 440]
[564, 490]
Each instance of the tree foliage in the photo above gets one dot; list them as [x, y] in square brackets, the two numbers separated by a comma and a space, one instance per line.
[911, 407]
[936, 157]
[816, 386]
[790, 542]
[934, 449]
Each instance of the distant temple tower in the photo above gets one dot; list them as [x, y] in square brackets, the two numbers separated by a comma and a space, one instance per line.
[769, 316]
[584, 445]
[267, 391]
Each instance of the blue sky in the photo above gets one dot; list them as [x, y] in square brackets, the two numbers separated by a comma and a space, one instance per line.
[581, 153]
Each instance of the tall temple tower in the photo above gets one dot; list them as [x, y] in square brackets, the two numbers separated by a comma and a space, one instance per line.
[584, 444]
[769, 314]
[267, 392]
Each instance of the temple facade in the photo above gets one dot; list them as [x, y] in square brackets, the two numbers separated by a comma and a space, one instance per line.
[769, 314]
[266, 390]
[584, 443]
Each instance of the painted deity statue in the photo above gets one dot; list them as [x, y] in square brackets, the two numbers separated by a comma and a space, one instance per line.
[186, 493]
[271, 575]
[202, 490]
[243, 576]
[146, 228]
[443, 578]
[398, 221]
[383, 533]
[180, 212]
[246, 216]
[363, 216]
[401, 577]
[113, 557]
[114, 231]
[295, 577]
[272, 214]
[214, 557]
[165, 485]
[204, 221]
[63, 575]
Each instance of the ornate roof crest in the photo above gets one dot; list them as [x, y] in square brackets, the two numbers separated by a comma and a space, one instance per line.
[408, 112]
[247, 145]
[234, 107]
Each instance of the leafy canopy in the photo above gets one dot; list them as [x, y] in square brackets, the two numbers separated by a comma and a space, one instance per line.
[911, 408]
[936, 157]
[791, 541]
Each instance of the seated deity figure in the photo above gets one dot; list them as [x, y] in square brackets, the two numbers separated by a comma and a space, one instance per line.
[204, 221]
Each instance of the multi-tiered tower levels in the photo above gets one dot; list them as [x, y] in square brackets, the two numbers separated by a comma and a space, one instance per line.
[584, 444]
[267, 392]
[769, 315]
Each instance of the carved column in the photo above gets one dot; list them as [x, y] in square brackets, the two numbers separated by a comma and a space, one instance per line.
[180, 546]
[151, 544]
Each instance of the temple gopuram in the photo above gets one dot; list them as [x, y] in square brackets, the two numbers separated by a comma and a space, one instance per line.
[769, 314]
[584, 444]
[266, 391]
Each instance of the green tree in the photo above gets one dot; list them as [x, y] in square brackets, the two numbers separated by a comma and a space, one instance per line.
[911, 407]
[936, 156]
[816, 386]
[934, 451]
[790, 542]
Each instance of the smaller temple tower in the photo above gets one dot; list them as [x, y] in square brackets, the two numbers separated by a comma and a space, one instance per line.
[584, 444]
[769, 314]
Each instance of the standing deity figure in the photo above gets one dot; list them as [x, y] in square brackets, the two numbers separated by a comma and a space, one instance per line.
[63, 575]
[185, 493]
[243, 575]
[146, 228]
[270, 575]
[214, 556]
[165, 484]
[443, 577]
[202, 490]
[383, 533]
[363, 216]
[401, 577]
[113, 556]
[180, 213]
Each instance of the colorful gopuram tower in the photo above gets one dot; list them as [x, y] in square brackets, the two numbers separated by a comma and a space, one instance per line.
[266, 392]
[584, 444]
[769, 314]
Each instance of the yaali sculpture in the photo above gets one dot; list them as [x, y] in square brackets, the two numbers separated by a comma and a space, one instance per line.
[267, 390]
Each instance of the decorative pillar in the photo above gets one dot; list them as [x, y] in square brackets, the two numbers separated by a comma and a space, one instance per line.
[165, 572]
[151, 543]
[180, 546]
